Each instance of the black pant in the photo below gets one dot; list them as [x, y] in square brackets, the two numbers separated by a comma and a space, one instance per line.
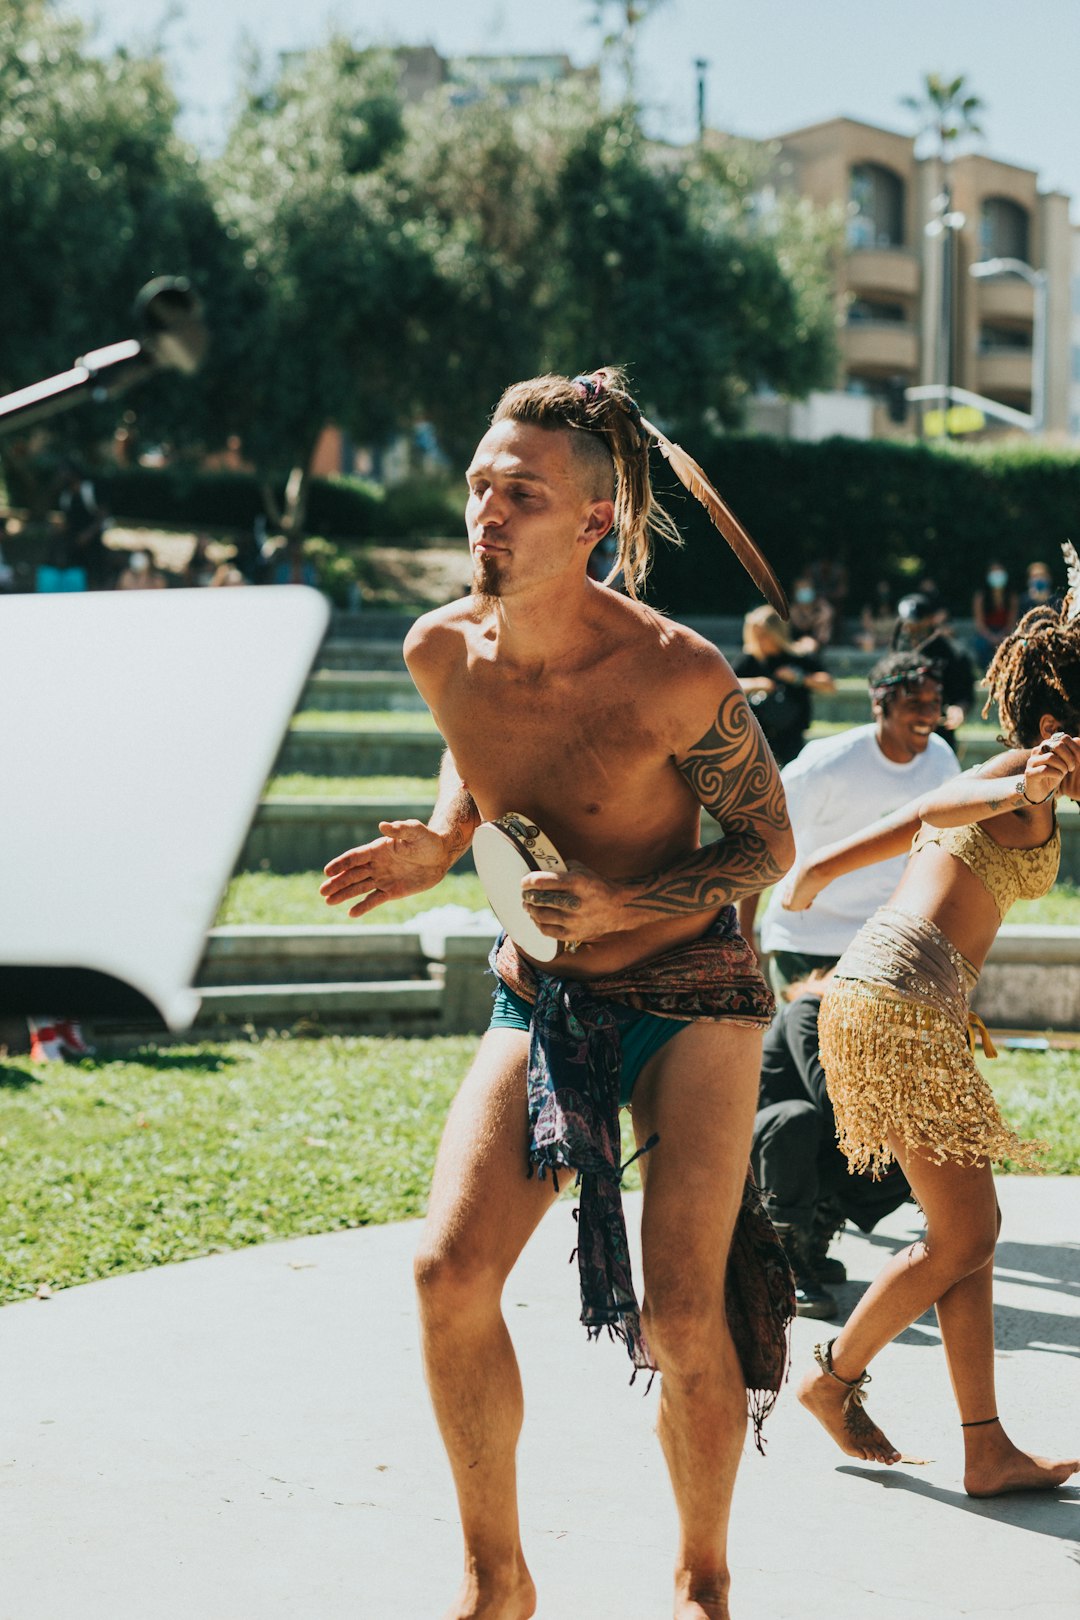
[796, 1160]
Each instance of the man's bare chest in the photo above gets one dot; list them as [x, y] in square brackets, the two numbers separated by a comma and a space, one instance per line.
[522, 745]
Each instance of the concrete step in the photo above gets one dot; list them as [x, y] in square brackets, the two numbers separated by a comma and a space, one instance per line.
[1031, 979]
[302, 834]
[389, 1007]
[372, 654]
[352, 752]
[365, 689]
[344, 751]
[368, 689]
[275, 954]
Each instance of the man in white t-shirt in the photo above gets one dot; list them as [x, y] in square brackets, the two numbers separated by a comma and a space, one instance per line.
[834, 787]
[840, 784]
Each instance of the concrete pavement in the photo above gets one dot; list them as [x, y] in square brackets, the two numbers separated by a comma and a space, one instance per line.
[247, 1437]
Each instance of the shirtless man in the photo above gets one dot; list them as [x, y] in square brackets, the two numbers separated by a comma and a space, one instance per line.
[611, 727]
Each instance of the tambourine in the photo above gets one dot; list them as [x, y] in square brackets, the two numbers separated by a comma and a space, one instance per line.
[504, 851]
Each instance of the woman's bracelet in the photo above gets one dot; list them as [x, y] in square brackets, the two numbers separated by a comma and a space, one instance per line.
[1020, 790]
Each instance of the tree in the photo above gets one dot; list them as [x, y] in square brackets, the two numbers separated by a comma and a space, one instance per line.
[620, 35]
[342, 269]
[97, 195]
[564, 239]
[947, 111]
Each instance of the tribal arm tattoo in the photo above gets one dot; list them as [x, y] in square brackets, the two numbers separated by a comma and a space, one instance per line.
[736, 779]
[455, 816]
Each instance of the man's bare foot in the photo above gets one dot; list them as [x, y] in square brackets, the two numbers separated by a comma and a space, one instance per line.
[995, 1466]
[495, 1599]
[701, 1599]
[855, 1432]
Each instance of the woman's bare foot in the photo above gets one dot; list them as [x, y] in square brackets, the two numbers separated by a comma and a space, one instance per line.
[510, 1599]
[994, 1465]
[853, 1429]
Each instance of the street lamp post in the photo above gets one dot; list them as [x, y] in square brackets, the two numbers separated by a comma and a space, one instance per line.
[1038, 280]
[945, 223]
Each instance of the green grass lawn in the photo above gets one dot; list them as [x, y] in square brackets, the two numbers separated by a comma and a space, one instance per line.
[273, 897]
[294, 898]
[299, 786]
[112, 1166]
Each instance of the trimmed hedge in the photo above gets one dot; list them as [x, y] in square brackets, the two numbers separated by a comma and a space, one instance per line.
[231, 500]
[342, 508]
[887, 511]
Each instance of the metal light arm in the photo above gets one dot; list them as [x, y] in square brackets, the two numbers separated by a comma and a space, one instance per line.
[172, 337]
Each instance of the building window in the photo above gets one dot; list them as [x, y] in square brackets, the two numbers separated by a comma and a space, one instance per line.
[1003, 229]
[993, 339]
[875, 207]
[872, 309]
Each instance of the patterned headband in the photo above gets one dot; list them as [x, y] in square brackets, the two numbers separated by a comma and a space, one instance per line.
[907, 677]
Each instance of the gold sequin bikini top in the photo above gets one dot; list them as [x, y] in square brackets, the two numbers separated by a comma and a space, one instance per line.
[1008, 874]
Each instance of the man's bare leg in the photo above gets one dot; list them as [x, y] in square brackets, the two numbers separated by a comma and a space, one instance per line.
[699, 1093]
[482, 1212]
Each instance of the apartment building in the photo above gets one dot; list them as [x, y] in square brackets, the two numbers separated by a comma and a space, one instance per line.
[901, 325]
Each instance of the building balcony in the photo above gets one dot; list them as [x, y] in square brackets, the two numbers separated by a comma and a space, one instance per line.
[1006, 299]
[882, 347]
[1004, 373]
[883, 270]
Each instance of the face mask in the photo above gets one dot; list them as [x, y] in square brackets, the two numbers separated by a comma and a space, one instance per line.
[997, 577]
[805, 593]
[1039, 587]
[140, 562]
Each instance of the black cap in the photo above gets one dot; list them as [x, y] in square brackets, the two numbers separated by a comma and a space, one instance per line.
[918, 606]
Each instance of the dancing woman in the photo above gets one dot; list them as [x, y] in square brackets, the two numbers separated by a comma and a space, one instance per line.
[897, 1054]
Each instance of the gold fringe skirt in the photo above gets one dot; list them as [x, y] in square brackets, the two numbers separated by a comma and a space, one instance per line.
[897, 1054]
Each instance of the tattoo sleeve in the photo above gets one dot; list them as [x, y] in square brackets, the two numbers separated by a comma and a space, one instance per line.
[735, 777]
[455, 815]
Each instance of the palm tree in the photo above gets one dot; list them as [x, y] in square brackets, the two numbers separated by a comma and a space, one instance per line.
[946, 109]
[620, 39]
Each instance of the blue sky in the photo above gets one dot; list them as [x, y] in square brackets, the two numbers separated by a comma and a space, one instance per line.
[774, 64]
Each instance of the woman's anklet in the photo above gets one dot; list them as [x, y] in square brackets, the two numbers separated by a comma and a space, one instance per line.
[854, 1386]
[980, 1423]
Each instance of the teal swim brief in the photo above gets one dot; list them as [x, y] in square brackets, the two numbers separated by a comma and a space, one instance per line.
[641, 1034]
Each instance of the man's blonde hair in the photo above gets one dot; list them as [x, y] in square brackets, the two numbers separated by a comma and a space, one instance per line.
[604, 418]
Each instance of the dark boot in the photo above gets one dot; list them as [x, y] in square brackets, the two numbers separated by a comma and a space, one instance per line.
[828, 1224]
[812, 1298]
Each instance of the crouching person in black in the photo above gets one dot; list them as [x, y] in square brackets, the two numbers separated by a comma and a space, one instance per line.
[802, 1174]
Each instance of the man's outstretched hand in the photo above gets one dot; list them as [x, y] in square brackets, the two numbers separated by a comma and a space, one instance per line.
[407, 859]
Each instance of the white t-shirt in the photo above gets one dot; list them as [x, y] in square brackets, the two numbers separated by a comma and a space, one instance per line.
[834, 788]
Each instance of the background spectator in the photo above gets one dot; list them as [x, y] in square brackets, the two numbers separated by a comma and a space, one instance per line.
[839, 784]
[994, 609]
[82, 540]
[778, 681]
[226, 574]
[921, 628]
[877, 620]
[1038, 590]
[801, 1171]
[199, 568]
[141, 574]
[811, 616]
[291, 567]
[830, 580]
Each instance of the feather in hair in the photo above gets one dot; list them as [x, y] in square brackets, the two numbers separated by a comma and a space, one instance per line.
[752, 558]
[1072, 569]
